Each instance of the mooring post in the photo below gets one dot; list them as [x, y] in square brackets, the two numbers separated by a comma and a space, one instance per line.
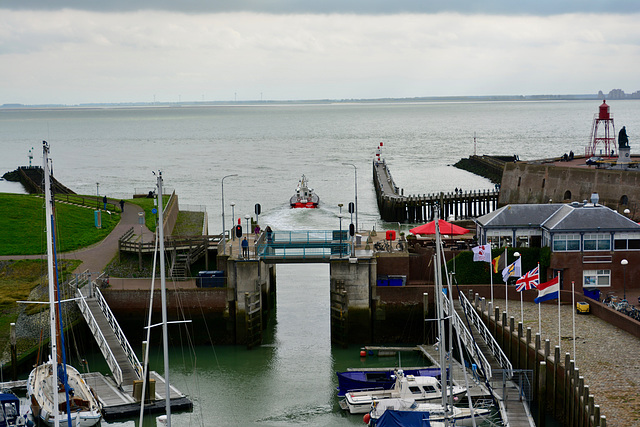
[527, 365]
[580, 405]
[504, 327]
[576, 399]
[497, 317]
[536, 356]
[585, 407]
[568, 365]
[542, 393]
[557, 406]
[511, 328]
[519, 348]
[14, 352]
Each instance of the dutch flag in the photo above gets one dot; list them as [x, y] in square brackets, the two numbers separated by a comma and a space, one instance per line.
[548, 290]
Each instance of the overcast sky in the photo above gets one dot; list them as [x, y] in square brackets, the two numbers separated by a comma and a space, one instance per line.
[83, 51]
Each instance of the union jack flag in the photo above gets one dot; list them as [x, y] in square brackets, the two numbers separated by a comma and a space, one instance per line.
[530, 280]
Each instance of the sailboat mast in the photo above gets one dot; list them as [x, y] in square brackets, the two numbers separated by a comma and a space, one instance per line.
[440, 301]
[163, 294]
[50, 270]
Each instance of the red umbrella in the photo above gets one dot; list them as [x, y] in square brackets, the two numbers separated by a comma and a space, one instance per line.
[445, 228]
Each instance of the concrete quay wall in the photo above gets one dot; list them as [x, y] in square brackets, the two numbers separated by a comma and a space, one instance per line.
[541, 183]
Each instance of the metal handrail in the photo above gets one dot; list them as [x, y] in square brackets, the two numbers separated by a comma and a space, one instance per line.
[466, 337]
[303, 244]
[99, 337]
[486, 335]
[122, 339]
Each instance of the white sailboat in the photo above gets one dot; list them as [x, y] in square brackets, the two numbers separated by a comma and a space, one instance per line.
[166, 418]
[56, 391]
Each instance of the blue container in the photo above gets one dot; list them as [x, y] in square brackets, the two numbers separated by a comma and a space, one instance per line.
[397, 280]
[592, 293]
[383, 281]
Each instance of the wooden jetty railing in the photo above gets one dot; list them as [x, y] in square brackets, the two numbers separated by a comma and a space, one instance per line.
[396, 207]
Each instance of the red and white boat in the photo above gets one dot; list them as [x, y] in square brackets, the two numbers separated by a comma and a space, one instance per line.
[304, 197]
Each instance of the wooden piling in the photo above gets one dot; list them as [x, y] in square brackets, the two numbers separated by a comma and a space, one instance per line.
[542, 394]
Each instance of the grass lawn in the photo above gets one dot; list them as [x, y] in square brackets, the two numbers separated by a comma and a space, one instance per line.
[17, 280]
[23, 230]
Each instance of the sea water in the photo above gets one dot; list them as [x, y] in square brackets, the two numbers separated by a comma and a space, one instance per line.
[290, 379]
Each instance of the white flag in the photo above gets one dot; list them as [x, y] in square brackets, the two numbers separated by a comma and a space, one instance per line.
[482, 253]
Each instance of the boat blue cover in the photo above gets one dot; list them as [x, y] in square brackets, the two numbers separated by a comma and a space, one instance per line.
[393, 418]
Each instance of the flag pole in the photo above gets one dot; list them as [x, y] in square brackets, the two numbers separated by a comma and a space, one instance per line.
[573, 310]
[539, 312]
[521, 309]
[506, 288]
[559, 314]
[539, 321]
[491, 273]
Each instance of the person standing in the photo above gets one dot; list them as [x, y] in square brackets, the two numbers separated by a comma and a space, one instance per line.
[122, 206]
[245, 248]
[104, 202]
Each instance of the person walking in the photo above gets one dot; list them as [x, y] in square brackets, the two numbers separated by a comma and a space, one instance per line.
[122, 206]
[245, 248]
[104, 202]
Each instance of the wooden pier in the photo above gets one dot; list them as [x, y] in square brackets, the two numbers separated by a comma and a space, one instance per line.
[118, 403]
[396, 207]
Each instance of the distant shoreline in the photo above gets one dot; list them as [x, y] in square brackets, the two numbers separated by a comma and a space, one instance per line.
[326, 101]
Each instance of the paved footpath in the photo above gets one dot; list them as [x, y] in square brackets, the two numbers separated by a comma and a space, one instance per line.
[96, 257]
[608, 358]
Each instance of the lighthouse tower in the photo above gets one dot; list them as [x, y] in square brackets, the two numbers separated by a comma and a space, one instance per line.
[603, 133]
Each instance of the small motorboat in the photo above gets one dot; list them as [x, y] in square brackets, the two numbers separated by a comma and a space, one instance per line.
[377, 378]
[304, 197]
[407, 387]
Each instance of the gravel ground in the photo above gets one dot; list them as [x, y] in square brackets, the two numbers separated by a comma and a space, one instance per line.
[606, 356]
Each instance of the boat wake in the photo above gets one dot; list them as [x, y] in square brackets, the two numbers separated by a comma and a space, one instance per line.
[298, 415]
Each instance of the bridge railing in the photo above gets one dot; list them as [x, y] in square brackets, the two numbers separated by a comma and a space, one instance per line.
[304, 244]
[99, 337]
[486, 335]
[117, 330]
[466, 337]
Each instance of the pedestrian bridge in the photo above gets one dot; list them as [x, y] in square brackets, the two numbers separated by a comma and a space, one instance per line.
[303, 246]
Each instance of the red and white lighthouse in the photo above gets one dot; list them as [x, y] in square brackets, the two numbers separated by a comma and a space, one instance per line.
[603, 133]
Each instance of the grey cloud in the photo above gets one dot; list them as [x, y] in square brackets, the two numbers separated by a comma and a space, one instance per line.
[501, 7]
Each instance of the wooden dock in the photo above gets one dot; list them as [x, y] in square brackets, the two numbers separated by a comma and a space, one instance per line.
[118, 403]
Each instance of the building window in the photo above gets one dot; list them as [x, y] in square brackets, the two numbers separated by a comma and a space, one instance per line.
[597, 242]
[566, 242]
[626, 241]
[593, 278]
[519, 180]
[624, 200]
[567, 195]
[543, 181]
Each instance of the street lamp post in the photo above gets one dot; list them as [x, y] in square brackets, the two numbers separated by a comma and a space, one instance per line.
[355, 170]
[624, 263]
[224, 230]
[233, 219]
[340, 217]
